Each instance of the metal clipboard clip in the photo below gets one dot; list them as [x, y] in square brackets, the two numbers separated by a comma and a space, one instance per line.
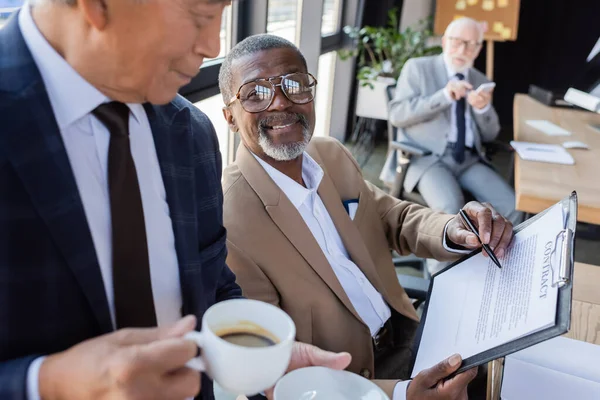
[562, 276]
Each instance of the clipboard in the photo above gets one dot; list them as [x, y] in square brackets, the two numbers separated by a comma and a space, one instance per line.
[562, 277]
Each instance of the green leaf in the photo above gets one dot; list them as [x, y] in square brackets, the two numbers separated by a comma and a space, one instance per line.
[375, 44]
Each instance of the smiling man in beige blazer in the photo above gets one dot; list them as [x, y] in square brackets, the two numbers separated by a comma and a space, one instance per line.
[308, 234]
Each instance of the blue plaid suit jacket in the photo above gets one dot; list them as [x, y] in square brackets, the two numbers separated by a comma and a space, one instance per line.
[51, 290]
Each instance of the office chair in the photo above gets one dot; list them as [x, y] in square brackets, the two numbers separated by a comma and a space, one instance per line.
[409, 149]
[416, 288]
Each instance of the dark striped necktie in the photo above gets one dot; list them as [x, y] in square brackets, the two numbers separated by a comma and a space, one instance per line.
[134, 304]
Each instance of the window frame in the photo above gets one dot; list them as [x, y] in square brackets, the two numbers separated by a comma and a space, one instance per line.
[206, 83]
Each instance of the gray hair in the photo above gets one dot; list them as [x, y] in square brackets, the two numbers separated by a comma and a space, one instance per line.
[248, 46]
[464, 22]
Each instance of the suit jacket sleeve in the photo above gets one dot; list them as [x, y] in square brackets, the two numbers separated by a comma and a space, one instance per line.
[13, 378]
[256, 285]
[411, 228]
[488, 124]
[410, 105]
[226, 286]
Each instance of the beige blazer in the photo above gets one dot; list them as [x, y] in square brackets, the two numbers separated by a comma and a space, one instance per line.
[277, 260]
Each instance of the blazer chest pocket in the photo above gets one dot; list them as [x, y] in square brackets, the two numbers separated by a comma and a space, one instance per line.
[361, 206]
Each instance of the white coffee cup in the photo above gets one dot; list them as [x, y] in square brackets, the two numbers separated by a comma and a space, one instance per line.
[239, 369]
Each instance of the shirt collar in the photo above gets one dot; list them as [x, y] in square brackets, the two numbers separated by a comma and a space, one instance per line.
[312, 173]
[71, 96]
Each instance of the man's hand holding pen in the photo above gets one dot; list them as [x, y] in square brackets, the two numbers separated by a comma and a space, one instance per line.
[492, 228]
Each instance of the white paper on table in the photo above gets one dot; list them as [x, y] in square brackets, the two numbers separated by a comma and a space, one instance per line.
[475, 306]
[558, 368]
[547, 127]
[550, 153]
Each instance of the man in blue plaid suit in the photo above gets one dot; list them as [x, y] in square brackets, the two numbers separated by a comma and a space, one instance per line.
[96, 146]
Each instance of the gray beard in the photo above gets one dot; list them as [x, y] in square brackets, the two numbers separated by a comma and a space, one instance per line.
[462, 69]
[283, 152]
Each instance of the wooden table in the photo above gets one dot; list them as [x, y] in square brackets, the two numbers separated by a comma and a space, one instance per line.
[585, 319]
[540, 185]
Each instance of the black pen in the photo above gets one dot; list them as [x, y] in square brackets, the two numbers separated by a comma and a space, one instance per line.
[471, 227]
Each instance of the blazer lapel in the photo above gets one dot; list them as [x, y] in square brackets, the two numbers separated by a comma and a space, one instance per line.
[36, 151]
[290, 222]
[347, 230]
[174, 145]
[441, 78]
[34, 147]
[441, 74]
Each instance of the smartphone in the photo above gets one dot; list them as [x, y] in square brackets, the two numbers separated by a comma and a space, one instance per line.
[486, 87]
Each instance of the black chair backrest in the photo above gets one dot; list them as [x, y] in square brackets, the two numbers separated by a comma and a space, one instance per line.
[392, 130]
[391, 92]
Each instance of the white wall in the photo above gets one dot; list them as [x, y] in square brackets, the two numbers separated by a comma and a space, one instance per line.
[415, 10]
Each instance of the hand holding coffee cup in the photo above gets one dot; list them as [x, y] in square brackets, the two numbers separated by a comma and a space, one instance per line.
[306, 355]
[133, 364]
[246, 345]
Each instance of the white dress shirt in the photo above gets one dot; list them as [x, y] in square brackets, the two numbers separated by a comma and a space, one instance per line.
[86, 141]
[365, 299]
[453, 135]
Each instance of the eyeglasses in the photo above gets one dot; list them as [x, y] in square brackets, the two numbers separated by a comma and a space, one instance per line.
[470, 45]
[256, 96]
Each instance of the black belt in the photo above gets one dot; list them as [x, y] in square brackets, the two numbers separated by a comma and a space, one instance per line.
[384, 338]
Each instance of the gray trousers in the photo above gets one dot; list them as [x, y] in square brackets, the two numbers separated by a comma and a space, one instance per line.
[443, 183]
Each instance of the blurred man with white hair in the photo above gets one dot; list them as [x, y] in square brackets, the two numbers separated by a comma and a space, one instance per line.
[438, 106]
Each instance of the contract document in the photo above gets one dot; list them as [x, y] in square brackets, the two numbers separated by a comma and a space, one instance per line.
[483, 312]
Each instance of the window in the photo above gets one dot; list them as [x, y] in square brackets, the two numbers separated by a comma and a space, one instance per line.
[7, 7]
[225, 34]
[213, 108]
[331, 17]
[205, 84]
[324, 98]
[304, 22]
[282, 18]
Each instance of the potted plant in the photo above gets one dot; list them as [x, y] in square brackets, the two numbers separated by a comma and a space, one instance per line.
[382, 52]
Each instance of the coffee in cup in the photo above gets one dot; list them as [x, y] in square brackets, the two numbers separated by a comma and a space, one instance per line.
[248, 334]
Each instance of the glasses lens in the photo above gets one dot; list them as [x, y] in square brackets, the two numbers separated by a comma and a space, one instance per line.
[300, 88]
[469, 45]
[256, 96]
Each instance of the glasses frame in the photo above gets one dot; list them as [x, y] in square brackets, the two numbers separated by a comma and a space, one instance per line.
[470, 45]
[274, 87]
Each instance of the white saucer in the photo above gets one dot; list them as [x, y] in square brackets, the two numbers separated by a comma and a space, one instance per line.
[320, 383]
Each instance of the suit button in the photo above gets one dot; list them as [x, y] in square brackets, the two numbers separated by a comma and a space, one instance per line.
[365, 373]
